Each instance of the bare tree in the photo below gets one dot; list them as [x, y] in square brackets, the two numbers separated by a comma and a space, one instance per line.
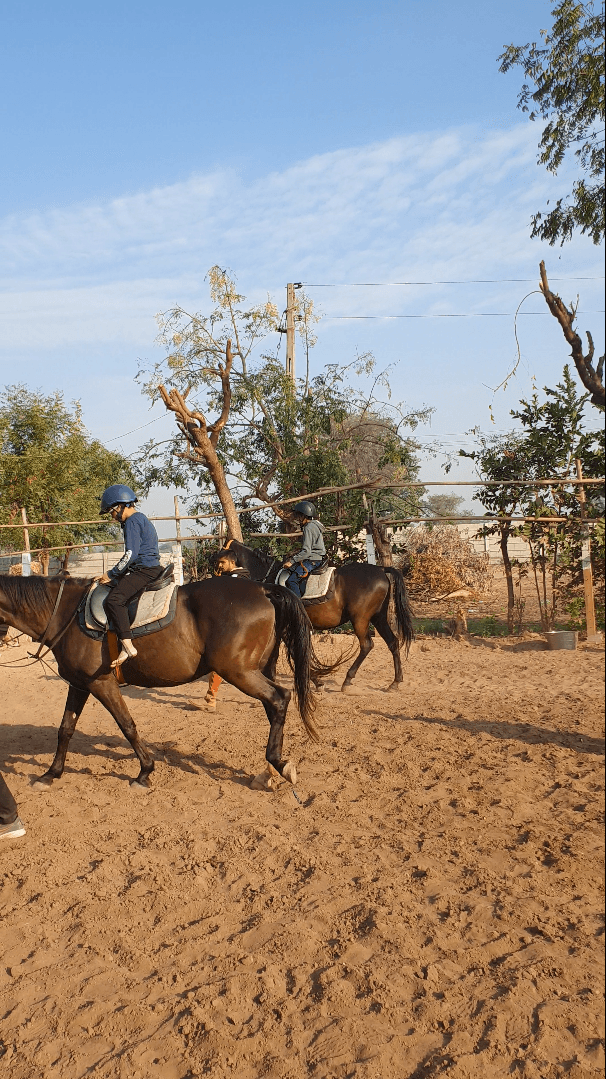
[590, 376]
[202, 439]
[272, 438]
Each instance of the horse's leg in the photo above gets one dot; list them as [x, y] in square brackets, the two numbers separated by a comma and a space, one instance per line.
[107, 692]
[271, 666]
[361, 630]
[214, 683]
[275, 700]
[381, 624]
[76, 699]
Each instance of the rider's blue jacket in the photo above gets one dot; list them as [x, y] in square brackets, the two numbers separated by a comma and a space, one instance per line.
[140, 545]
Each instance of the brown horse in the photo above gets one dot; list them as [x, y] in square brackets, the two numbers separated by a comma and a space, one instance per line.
[362, 596]
[234, 627]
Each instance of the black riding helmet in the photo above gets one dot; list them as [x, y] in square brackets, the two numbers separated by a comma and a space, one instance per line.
[306, 509]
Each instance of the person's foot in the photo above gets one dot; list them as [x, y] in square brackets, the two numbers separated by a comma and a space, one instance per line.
[128, 652]
[12, 831]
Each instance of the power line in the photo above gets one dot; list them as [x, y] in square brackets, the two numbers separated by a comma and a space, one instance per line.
[472, 281]
[467, 314]
[135, 429]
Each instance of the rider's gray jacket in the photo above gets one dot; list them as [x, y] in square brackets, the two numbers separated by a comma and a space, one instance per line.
[313, 543]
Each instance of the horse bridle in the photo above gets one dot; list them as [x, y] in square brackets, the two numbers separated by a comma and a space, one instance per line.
[39, 655]
[271, 566]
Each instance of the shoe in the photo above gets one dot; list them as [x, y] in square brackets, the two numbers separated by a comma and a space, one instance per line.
[12, 831]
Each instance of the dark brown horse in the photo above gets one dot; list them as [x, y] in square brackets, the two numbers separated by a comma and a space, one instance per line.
[362, 596]
[234, 627]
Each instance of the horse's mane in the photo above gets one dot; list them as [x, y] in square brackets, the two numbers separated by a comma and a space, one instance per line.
[26, 591]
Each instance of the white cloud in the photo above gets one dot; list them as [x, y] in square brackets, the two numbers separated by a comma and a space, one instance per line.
[431, 206]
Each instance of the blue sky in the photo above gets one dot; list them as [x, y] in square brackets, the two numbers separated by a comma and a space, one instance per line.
[328, 143]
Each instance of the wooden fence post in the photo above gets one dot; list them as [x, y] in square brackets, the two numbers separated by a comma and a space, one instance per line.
[593, 637]
[179, 566]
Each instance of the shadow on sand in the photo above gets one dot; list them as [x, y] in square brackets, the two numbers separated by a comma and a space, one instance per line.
[526, 733]
[31, 746]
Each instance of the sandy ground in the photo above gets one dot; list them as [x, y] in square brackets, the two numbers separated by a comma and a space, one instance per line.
[432, 907]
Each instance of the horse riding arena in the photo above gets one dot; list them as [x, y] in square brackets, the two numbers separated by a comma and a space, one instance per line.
[430, 903]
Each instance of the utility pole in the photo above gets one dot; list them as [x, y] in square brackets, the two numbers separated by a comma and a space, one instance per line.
[593, 637]
[290, 329]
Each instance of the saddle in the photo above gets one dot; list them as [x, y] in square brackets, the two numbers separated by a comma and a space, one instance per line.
[148, 613]
[318, 585]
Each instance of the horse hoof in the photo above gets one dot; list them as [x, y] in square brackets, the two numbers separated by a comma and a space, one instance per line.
[41, 784]
[267, 780]
[394, 687]
[262, 782]
[289, 772]
[210, 706]
[143, 788]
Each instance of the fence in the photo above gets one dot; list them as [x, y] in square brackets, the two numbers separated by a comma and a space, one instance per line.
[92, 561]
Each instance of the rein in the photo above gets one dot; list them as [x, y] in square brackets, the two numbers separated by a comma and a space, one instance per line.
[271, 566]
[39, 656]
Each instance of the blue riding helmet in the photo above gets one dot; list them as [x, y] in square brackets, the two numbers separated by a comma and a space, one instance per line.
[117, 494]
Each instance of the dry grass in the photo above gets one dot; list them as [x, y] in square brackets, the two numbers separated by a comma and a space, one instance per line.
[443, 561]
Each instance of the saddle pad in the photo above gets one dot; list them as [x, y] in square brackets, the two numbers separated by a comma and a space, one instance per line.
[151, 607]
[317, 584]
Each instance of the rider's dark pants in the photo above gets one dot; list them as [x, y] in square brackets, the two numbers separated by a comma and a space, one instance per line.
[8, 805]
[299, 574]
[126, 588]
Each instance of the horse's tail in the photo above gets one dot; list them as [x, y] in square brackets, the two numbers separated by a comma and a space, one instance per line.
[403, 615]
[293, 628]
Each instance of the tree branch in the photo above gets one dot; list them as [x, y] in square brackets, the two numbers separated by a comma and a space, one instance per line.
[224, 372]
[590, 377]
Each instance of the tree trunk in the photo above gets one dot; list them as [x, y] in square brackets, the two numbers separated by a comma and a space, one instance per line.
[202, 442]
[508, 578]
[382, 544]
[217, 475]
[44, 561]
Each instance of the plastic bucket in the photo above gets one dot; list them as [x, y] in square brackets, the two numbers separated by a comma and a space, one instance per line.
[561, 638]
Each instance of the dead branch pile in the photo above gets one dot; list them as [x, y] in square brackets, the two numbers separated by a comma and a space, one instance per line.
[440, 560]
[16, 569]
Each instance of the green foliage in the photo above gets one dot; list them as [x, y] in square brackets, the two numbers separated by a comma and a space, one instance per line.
[280, 439]
[568, 79]
[51, 466]
[442, 505]
[553, 437]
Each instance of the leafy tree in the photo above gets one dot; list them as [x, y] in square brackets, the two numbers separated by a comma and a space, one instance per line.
[552, 438]
[566, 88]
[555, 438]
[273, 439]
[442, 505]
[500, 459]
[50, 466]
